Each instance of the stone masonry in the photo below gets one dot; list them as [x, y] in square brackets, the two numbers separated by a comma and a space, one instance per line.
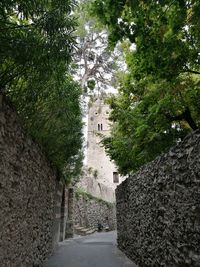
[88, 211]
[30, 196]
[92, 186]
[158, 209]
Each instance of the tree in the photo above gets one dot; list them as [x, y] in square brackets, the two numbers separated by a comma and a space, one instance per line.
[95, 64]
[158, 100]
[37, 43]
[144, 125]
[165, 33]
[35, 37]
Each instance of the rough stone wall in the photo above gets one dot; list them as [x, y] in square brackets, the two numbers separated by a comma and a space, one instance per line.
[30, 196]
[69, 226]
[158, 209]
[96, 189]
[88, 211]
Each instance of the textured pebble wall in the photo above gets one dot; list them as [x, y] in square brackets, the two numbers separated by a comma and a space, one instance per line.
[88, 211]
[30, 196]
[158, 209]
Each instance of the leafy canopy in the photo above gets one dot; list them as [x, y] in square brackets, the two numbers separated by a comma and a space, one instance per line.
[37, 42]
[158, 101]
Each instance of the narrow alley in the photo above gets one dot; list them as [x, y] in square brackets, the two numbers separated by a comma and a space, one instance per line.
[96, 250]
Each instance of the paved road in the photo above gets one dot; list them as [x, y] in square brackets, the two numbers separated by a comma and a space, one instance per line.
[96, 250]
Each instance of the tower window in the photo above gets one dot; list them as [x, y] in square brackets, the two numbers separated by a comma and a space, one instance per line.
[115, 177]
[100, 127]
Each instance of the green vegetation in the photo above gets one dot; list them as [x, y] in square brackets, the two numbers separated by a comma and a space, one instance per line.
[36, 48]
[158, 101]
[81, 193]
[159, 97]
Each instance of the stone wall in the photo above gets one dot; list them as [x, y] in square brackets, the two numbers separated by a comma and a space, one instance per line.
[95, 188]
[158, 209]
[88, 211]
[69, 226]
[30, 196]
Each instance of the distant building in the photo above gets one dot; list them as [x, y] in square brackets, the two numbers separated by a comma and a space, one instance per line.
[98, 162]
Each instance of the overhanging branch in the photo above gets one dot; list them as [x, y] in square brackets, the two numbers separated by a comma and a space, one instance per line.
[192, 71]
[186, 116]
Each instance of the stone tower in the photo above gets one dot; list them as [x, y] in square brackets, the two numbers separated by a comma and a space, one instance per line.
[97, 160]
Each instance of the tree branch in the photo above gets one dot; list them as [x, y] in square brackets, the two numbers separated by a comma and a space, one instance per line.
[192, 71]
[186, 116]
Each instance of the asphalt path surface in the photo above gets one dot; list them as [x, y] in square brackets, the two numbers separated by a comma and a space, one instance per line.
[96, 250]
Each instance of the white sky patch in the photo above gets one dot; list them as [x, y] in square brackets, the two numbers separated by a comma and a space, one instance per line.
[133, 47]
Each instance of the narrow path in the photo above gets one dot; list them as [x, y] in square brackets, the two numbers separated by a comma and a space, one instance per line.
[96, 250]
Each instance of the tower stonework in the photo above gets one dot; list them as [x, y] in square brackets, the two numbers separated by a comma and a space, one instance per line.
[97, 160]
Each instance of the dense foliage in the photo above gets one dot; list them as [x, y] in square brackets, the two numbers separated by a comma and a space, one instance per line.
[158, 101]
[36, 48]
